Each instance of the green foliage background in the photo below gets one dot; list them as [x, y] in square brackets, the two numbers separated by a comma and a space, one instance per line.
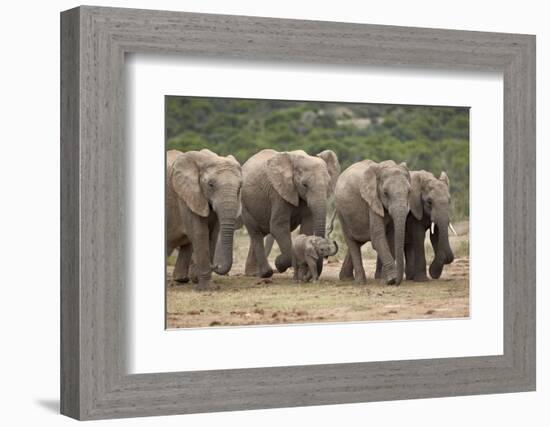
[431, 138]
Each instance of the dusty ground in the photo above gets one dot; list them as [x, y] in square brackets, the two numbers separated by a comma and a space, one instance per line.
[241, 300]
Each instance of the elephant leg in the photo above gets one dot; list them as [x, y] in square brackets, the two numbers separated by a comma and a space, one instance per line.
[280, 229]
[312, 268]
[256, 261]
[257, 245]
[268, 243]
[378, 272]
[284, 260]
[306, 227]
[346, 271]
[409, 261]
[354, 255]
[251, 267]
[201, 253]
[306, 274]
[193, 273]
[354, 251]
[181, 270]
[382, 248]
[295, 268]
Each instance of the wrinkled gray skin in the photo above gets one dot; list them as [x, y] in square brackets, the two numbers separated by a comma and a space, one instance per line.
[202, 200]
[307, 251]
[282, 190]
[430, 202]
[371, 198]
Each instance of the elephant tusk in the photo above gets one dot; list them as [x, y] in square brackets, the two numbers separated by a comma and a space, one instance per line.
[432, 228]
[453, 229]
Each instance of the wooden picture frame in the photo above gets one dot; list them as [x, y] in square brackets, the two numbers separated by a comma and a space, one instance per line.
[94, 382]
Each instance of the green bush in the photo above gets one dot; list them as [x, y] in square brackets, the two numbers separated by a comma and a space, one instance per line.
[430, 138]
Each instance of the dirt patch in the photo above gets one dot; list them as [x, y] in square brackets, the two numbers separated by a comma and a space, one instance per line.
[241, 301]
[238, 300]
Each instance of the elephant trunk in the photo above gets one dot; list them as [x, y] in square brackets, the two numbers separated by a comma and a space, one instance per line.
[318, 206]
[335, 250]
[399, 218]
[442, 248]
[227, 213]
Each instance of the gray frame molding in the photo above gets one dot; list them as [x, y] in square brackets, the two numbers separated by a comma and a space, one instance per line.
[94, 41]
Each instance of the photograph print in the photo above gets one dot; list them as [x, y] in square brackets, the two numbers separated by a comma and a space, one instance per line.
[291, 212]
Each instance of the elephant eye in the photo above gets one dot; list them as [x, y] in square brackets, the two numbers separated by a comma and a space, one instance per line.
[211, 184]
[304, 184]
[429, 201]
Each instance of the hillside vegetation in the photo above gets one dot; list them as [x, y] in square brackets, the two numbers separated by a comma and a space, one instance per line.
[430, 138]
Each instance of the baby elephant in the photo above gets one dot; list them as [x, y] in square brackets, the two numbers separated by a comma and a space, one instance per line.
[307, 250]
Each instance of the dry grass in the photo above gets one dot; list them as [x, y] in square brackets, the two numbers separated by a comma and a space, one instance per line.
[240, 300]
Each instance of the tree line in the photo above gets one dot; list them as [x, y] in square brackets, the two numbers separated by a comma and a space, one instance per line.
[426, 137]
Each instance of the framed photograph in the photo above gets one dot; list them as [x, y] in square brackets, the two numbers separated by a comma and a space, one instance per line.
[342, 135]
[261, 213]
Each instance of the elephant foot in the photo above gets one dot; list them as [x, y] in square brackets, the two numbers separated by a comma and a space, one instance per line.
[420, 277]
[203, 284]
[251, 267]
[345, 276]
[282, 263]
[361, 279]
[266, 273]
[346, 272]
[252, 271]
[435, 271]
[202, 287]
[181, 280]
[193, 274]
[388, 271]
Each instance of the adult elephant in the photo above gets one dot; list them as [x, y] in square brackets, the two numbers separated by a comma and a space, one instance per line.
[282, 190]
[370, 199]
[430, 200]
[202, 200]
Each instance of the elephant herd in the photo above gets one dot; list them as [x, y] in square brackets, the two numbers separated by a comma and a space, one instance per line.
[273, 193]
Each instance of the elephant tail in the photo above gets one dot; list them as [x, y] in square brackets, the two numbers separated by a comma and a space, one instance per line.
[331, 224]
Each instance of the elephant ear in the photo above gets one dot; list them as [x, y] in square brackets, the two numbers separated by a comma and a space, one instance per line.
[280, 172]
[369, 189]
[310, 250]
[333, 166]
[233, 159]
[443, 177]
[415, 198]
[186, 183]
